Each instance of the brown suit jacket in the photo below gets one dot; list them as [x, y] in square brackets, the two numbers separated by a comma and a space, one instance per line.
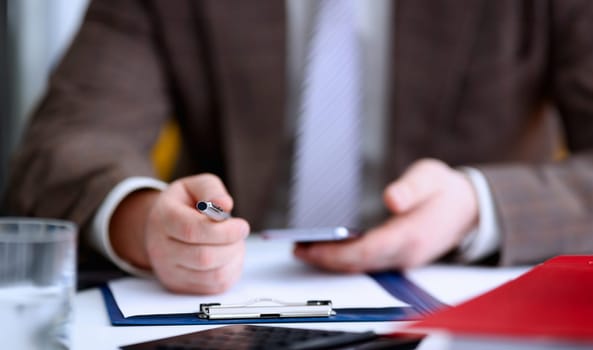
[472, 83]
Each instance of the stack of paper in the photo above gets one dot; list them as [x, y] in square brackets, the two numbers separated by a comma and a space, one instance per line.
[275, 275]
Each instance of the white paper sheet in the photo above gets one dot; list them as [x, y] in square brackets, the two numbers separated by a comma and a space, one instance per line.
[270, 271]
[453, 284]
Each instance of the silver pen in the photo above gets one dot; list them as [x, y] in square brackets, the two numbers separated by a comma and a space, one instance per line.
[212, 211]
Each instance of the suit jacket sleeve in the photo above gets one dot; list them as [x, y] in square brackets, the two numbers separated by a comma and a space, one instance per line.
[547, 209]
[103, 110]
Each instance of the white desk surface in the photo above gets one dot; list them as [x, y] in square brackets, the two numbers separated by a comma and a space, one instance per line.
[450, 284]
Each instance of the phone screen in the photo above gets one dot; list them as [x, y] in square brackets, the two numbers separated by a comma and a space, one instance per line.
[318, 234]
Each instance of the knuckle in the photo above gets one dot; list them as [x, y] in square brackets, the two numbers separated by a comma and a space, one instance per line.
[231, 233]
[413, 252]
[175, 185]
[226, 236]
[170, 283]
[208, 288]
[414, 261]
[352, 267]
[348, 261]
[414, 185]
[365, 255]
[432, 165]
[187, 233]
[423, 164]
[208, 178]
[426, 175]
[220, 279]
[204, 258]
[175, 288]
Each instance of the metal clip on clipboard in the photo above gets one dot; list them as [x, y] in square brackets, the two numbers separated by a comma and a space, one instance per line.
[266, 308]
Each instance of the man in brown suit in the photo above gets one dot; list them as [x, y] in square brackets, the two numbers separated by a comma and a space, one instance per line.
[471, 83]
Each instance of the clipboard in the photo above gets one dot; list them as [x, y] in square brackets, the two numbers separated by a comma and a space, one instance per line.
[421, 304]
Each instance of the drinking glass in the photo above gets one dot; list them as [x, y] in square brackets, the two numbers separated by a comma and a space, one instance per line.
[37, 283]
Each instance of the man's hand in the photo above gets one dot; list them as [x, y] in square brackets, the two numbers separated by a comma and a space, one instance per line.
[433, 208]
[188, 252]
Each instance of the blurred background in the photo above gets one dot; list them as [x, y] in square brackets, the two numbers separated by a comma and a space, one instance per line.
[33, 37]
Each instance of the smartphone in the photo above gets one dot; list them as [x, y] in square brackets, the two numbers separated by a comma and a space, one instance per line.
[318, 234]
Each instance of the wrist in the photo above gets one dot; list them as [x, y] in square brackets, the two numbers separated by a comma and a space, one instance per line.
[127, 228]
[484, 239]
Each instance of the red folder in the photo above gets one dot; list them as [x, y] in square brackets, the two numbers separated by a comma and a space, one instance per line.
[552, 300]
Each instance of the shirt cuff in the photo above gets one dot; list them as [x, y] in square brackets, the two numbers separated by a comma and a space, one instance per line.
[100, 229]
[484, 239]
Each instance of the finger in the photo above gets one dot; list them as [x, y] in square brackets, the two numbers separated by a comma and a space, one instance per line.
[394, 241]
[378, 249]
[205, 231]
[180, 279]
[186, 224]
[200, 257]
[207, 187]
[417, 184]
[319, 254]
[413, 239]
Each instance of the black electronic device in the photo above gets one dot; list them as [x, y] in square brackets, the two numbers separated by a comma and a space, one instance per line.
[250, 337]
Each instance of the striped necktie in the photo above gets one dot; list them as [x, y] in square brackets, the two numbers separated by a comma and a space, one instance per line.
[326, 174]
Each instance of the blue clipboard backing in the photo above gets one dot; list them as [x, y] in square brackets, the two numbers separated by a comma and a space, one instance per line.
[395, 283]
